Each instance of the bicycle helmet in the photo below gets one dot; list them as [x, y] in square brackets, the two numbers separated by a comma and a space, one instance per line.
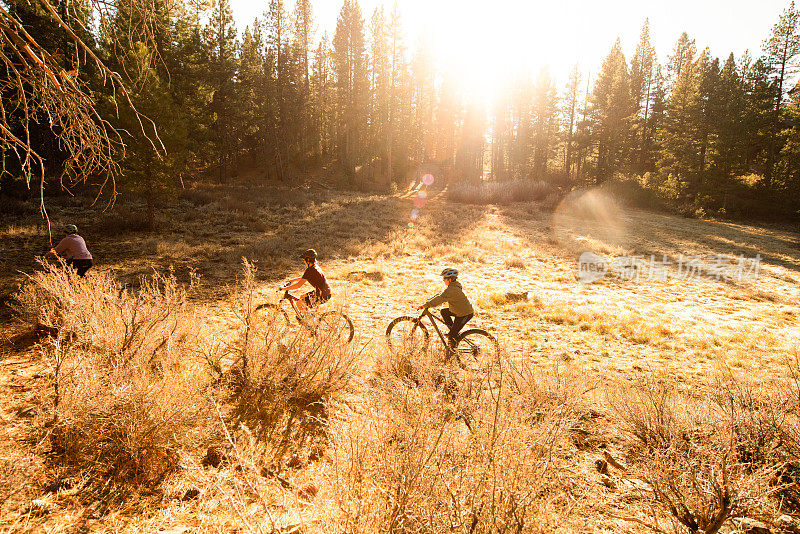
[310, 255]
[70, 229]
[450, 273]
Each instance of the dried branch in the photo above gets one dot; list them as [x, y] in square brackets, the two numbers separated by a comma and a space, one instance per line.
[37, 89]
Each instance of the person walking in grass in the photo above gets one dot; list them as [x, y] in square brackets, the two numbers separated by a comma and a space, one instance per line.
[459, 310]
[73, 249]
[316, 278]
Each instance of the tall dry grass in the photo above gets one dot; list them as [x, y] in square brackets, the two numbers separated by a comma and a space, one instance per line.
[418, 456]
[503, 192]
[712, 457]
[140, 388]
[281, 379]
[125, 396]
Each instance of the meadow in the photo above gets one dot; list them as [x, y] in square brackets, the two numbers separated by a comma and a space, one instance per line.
[148, 397]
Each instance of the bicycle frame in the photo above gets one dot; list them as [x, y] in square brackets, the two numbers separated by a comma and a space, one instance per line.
[292, 302]
[434, 319]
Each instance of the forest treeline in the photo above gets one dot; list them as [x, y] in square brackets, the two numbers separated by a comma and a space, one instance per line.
[691, 131]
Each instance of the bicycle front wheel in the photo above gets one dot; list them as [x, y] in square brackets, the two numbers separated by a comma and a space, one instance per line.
[407, 335]
[270, 316]
[335, 326]
[478, 351]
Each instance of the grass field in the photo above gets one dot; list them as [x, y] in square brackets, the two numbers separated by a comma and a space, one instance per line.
[624, 402]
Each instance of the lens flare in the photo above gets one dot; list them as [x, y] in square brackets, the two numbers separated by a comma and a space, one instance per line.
[419, 202]
[427, 179]
[591, 219]
[422, 194]
[414, 214]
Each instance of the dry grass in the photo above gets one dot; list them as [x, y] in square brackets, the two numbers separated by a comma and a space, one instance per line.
[621, 407]
[417, 457]
[123, 398]
[503, 192]
[281, 381]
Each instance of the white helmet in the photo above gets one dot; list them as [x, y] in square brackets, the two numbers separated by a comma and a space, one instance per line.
[449, 272]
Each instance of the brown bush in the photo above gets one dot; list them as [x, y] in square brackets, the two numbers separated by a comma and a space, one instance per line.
[499, 192]
[281, 379]
[125, 393]
[421, 458]
[707, 460]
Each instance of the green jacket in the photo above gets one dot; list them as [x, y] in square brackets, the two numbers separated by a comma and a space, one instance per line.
[455, 298]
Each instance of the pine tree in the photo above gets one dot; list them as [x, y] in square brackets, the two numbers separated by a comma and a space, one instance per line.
[250, 95]
[501, 135]
[470, 144]
[380, 86]
[516, 132]
[643, 87]
[280, 131]
[157, 94]
[570, 113]
[790, 153]
[399, 94]
[350, 66]
[612, 113]
[730, 122]
[448, 115]
[782, 51]
[423, 101]
[323, 98]
[680, 132]
[759, 115]
[543, 123]
[708, 109]
[221, 48]
[304, 38]
[684, 52]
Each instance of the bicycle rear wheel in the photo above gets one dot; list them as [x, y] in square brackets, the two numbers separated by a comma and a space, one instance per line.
[479, 352]
[335, 326]
[407, 335]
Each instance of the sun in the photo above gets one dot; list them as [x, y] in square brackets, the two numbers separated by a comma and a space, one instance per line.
[484, 48]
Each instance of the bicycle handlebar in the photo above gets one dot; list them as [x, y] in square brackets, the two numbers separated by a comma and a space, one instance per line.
[286, 294]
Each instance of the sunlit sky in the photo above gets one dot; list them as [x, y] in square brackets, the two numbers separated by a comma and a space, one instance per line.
[486, 41]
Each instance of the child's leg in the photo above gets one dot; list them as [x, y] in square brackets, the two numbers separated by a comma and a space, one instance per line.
[447, 315]
[303, 305]
[458, 324]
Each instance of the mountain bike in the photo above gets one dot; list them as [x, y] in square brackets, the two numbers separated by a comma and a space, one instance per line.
[331, 324]
[475, 351]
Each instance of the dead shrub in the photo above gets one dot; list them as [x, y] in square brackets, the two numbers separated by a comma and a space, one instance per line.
[703, 487]
[698, 455]
[766, 435]
[281, 380]
[126, 395]
[124, 423]
[100, 314]
[656, 414]
[499, 192]
[419, 458]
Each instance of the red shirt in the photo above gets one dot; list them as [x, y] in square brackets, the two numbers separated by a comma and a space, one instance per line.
[314, 276]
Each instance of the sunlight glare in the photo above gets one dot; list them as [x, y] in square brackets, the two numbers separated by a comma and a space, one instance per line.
[590, 220]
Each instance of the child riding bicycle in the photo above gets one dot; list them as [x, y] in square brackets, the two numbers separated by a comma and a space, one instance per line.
[316, 278]
[459, 310]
